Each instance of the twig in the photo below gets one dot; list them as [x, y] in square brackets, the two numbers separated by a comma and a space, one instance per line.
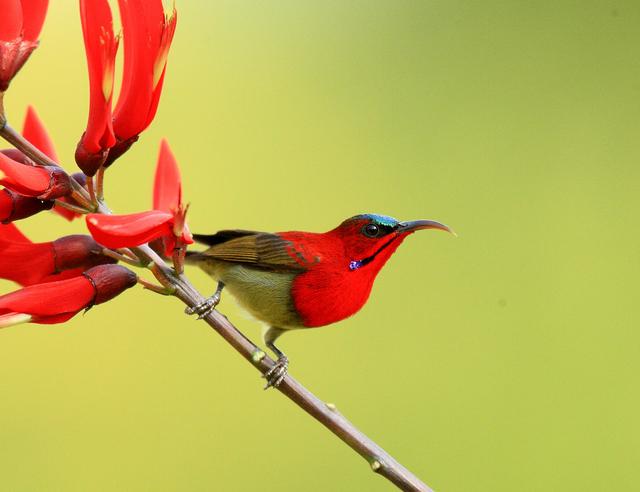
[100, 183]
[379, 460]
[69, 206]
[120, 257]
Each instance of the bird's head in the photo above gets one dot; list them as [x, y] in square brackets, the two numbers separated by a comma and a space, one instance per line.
[369, 240]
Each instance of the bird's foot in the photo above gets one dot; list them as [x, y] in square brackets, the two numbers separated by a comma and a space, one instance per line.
[277, 373]
[205, 307]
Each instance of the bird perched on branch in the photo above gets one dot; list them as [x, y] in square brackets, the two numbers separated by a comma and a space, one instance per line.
[292, 280]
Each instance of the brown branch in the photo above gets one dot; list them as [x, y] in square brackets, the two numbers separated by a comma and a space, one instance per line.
[379, 460]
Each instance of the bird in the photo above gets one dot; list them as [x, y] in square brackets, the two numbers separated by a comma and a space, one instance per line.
[294, 280]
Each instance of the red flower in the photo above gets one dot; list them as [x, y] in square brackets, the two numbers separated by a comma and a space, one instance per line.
[57, 302]
[44, 182]
[147, 34]
[14, 206]
[166, 222]
[30, 263]
[101, 46]
[122, 231]
[33, 130]
[167, 197]
[20, 25]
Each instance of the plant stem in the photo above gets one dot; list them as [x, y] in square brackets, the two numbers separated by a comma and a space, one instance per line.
[69, 206]
[92, 191]
[100, 183]
[379, 460]
[123, 258]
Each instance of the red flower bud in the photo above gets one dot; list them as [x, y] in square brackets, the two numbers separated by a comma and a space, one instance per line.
[20, 25]
[57, 302]
[45, 182]
[14, 206]
[110, 280]
[30, 263]
[78, 251]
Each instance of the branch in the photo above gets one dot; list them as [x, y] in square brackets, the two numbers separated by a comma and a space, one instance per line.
[379, 460]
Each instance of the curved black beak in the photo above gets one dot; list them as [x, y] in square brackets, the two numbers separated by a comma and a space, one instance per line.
[416, 225]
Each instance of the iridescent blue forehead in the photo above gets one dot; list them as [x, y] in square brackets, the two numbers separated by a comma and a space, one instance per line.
[383, 220]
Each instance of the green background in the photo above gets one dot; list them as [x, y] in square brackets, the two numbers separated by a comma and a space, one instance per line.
[503, 360]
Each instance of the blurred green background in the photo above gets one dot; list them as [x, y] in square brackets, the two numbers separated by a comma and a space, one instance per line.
[503, 360]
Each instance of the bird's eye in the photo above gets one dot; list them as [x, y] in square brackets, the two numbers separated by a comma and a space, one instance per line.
[371, 230]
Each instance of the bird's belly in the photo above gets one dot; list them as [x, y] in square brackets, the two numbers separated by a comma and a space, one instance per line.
[266, 295]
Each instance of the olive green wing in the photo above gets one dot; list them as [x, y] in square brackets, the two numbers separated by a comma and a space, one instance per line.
[257, 249]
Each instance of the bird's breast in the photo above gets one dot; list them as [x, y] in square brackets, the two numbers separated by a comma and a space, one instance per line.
[322, 296]
[266, 295]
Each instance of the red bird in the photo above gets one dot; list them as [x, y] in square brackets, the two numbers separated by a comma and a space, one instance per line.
[293, 280]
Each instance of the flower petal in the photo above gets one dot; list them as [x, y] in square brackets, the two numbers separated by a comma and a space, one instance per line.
[27, 180]
[167, 186]
[33, 130]
[33, 12]
[26, 263]
[101, 46]
[10, 232]
[10, 20]
[121, 231]
[148, 33]
[51, 299]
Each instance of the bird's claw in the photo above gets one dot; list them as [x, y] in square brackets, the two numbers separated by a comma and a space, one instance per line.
[277, 373]
[205, 307]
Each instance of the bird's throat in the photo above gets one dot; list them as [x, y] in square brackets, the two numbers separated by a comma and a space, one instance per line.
[356, 264]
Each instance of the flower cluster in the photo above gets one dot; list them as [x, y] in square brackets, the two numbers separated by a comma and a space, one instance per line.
[147, 33]
[61, 277]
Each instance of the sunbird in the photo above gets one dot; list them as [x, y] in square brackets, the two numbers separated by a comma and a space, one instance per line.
[291, 280]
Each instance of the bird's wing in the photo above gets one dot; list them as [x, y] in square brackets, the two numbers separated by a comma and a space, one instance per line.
[258, 249]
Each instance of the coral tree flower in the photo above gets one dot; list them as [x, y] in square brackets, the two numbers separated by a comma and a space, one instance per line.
[101, 46]
[122, 231]
[147, 34]
[167, 197]
[20, 25]
[30, 263]
[166, 222]
[57, 302]
[44, 182]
